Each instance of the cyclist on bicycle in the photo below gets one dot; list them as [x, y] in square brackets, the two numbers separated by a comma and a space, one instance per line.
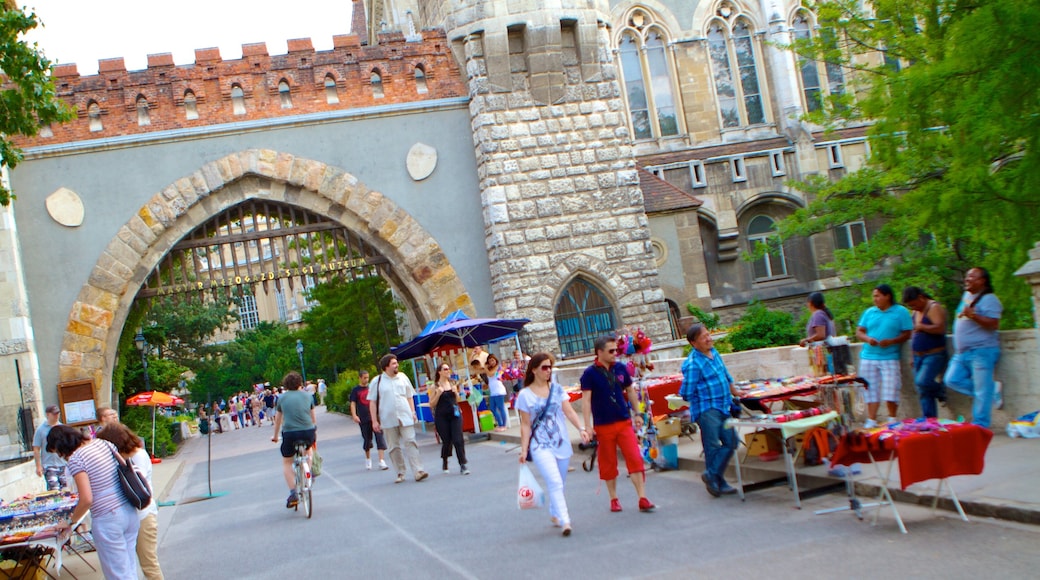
[295, 409]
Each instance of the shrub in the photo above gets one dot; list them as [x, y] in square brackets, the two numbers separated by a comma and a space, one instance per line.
[140, 420]
[709, 319]
[337, 397]
[763, 328]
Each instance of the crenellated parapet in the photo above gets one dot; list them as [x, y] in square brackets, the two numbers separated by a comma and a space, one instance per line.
[213, 91]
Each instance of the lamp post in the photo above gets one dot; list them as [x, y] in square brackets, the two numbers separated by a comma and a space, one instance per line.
[142, 347]
[299, 351]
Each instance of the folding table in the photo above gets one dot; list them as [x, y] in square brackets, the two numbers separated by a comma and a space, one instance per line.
[787, 430]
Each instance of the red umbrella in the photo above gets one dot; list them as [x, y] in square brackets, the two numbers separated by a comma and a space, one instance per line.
[154, 399]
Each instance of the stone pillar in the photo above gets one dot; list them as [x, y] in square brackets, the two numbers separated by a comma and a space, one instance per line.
[1031, 272]
[557, 173]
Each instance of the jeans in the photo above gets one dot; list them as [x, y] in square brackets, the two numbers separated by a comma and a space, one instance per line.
[554, 472]
[401, 440]
[115, 535]
[928, 370]
[719, 443]
[971, 373]
[498, 409]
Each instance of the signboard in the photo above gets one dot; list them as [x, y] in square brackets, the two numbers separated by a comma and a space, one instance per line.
[76, 402]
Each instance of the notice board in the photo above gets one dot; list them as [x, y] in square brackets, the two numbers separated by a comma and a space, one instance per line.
[76, 401]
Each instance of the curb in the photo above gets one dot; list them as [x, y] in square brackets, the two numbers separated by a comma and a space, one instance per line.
[979, 508]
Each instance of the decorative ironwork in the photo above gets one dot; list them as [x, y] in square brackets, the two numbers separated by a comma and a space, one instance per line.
[260, 243]
[582, 315]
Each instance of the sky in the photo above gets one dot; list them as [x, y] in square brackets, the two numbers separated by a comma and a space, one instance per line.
[85, 31]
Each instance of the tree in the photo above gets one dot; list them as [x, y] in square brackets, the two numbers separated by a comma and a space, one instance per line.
[183, 329]
[262, 354]
[354, 322]
[27, 98]
[952, 92]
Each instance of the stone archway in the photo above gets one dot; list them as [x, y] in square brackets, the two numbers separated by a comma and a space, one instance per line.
[100, 309]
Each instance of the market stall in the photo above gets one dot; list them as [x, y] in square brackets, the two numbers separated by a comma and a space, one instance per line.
[28, 537]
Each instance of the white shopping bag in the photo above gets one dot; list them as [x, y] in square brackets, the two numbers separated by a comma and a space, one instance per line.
[529, 494]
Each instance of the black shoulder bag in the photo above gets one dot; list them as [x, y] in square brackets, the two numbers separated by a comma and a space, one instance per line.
[135, 488]
[538, 420]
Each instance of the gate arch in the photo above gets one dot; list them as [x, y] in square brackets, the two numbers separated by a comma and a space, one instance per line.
[421, 271]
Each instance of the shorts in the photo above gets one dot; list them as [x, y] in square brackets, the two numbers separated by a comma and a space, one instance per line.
[883, 380]
[367, 435]
[611, 437]
[289, 439]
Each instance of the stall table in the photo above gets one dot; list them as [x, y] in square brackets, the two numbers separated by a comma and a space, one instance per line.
[939, 453]
[787, 430]
[28, 533]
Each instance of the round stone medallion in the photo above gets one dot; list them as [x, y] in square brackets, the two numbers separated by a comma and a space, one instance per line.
[422, 160]
[65, 206]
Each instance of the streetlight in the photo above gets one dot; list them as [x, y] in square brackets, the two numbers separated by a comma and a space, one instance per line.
[299, 351]
[142, 347]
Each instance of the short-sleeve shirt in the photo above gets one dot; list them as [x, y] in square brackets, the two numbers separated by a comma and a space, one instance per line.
[296, 410]
[359, 396]
[143, 463]
[96, 459]
[706, 383]
[47, 459]
[820, 318]
[609, 403]
[394, 395]
[884, 325]
[551, 432]
[968, 334]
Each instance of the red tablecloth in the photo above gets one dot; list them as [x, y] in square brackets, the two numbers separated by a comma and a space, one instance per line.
[959, 450]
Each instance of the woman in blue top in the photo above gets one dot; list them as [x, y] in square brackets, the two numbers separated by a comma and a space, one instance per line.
[977, 346]
[882, 328]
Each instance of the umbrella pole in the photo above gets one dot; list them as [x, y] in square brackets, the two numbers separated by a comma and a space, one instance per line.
[153, 431]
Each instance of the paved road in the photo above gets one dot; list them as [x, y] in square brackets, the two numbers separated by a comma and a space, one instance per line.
[454, 526]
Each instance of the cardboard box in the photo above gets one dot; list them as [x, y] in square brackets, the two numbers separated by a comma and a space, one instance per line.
[669, 427]
[763, 441]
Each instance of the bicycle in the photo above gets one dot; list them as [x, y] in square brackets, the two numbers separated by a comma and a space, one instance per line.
[302, 471]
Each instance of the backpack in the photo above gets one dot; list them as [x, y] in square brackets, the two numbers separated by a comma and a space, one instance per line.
[818, 445]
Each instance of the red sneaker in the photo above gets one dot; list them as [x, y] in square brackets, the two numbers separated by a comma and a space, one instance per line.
[615, 505]
[646, 505]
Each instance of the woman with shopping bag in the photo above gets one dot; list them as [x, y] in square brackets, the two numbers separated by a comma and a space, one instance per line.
[544, 409]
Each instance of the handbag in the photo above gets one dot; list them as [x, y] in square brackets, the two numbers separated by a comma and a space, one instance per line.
[135, 488]
[538, 420]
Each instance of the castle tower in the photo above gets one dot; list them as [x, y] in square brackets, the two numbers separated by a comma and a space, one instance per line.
[559, 186]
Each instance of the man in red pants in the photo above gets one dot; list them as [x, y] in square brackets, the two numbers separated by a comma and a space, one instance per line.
[607, 398]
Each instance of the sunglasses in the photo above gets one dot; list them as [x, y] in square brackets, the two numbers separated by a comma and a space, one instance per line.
[445, 369]
[546, 367]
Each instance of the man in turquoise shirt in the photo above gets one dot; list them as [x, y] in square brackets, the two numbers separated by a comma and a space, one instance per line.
[883, 328]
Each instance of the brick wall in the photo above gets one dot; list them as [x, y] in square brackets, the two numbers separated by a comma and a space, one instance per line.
[164, 84]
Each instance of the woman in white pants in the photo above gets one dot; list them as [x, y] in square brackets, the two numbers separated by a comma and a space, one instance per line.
[544, 409]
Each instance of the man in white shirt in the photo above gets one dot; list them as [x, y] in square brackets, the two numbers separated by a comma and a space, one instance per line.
[393, 413]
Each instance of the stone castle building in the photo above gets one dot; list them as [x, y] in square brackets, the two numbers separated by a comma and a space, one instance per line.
[586, 164]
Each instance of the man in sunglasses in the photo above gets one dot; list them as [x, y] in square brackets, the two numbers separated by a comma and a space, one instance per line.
[607, 400]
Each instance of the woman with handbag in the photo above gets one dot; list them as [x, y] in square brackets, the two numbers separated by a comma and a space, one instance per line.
[444, 398]
[93, 466]
[128, 444]
[544, 410]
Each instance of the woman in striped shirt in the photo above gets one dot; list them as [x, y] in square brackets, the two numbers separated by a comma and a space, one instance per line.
[92, 465]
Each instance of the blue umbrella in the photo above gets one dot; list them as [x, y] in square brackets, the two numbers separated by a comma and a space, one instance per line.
[464, 333]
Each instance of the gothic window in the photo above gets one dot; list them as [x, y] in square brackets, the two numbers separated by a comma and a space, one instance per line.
[583, 314]
[377, 84]
[331, 95]
[648, 81]
[94, 114]
[284, 94]
[420, 80]
[248, 314]
[191, 110]
[238, 100]
[142, 111]
[812, 72]
[732, 54]
[762, 231]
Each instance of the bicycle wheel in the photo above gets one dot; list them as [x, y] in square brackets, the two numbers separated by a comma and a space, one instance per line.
[298, 472]
[305, 500]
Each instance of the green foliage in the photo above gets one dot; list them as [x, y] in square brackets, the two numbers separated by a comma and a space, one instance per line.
[182, 329]
[262, 354]
[337, 398]
[709, 319]
[954, 144]
[353, 323]
[760, 327]
[140, 420]
[27, 100]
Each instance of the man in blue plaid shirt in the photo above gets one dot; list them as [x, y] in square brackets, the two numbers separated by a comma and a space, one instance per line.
[708, 387]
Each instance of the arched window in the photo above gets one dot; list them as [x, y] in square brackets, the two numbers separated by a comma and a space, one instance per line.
[191, 107]
[331, 95]
[811, 70]
[762, 231]
[377, 85]
[673, 319]
[420, 80]
[238, 100]
[284, 96]
[94, 114]
[582, 315]
[142, 112]
[648, 80]
[732, 55]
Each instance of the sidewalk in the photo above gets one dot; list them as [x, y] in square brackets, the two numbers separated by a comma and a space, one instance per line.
[1006, 489]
